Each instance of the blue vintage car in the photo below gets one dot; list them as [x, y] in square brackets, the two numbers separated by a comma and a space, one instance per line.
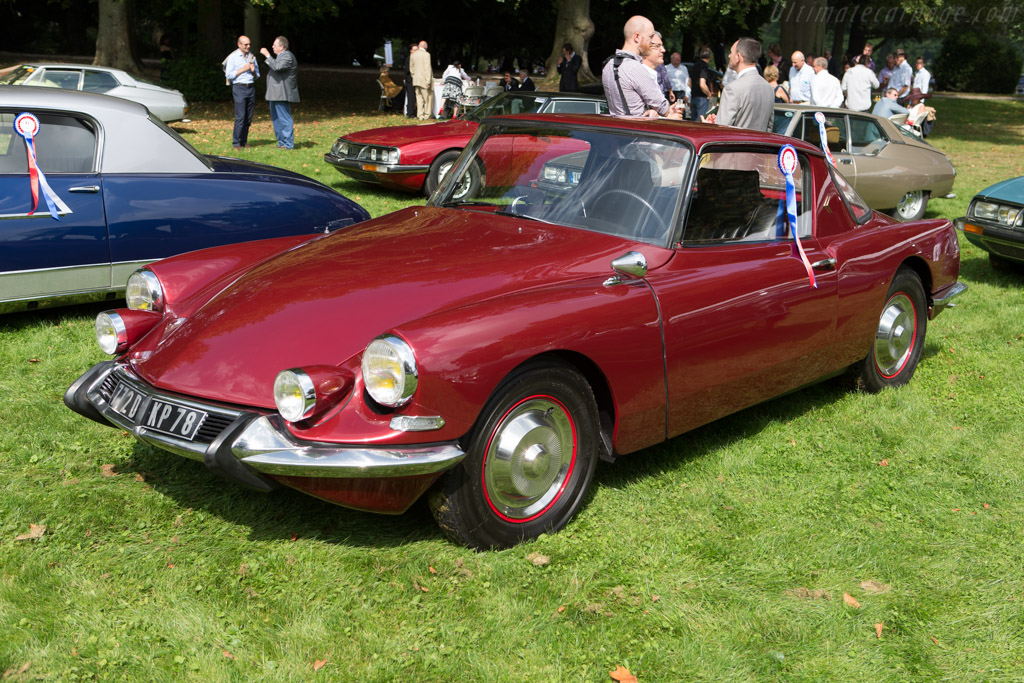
[995, 222]
[129, 190]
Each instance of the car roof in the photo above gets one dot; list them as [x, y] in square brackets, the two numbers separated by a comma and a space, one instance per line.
[698, 133]
[66, 65]
[58, 99]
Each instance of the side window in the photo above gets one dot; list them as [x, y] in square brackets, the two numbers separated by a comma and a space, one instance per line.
[65, 144]
[835, 129]
[98, 81]
[740, 196]
[866, 136]
[573, 107]
[64, 79]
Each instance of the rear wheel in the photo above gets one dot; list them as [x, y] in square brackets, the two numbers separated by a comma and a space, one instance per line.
[529, 462]
[912, 206]
[469, 184]
[899, 337]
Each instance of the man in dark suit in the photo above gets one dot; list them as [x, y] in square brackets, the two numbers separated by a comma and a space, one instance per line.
[525, 82]
[568, 66]
[748, 100]
[508, 83]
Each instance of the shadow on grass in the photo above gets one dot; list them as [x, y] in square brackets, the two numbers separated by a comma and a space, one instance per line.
[58, 315]
[973, 121]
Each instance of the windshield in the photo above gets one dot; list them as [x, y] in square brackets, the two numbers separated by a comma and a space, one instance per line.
[505, 103]
[18, 76]
[615, 182]
[780, 124]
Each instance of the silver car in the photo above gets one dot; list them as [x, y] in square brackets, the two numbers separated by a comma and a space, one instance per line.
[166, 104]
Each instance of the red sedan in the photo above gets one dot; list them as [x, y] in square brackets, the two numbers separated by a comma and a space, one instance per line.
[606, 285]
[415, 158]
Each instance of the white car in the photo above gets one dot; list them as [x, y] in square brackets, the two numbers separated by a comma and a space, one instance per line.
[164, 103]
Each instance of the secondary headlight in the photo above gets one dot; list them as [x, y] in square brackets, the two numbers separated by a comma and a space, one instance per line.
[389, 370]
[341, 148]
[111, 332]
[144, 292]
[294, 395]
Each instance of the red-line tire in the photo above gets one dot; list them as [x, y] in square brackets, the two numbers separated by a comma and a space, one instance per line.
[899, 337]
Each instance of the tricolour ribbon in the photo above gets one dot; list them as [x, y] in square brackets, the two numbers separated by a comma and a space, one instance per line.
[788, 163]
[27, 126]
[823, 134]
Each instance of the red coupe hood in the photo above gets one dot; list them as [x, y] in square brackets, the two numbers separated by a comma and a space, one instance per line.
[323, 302]
[404, 135]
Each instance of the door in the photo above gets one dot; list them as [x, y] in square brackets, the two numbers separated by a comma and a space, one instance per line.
[837, 132]
[742, 322]
[41, 256]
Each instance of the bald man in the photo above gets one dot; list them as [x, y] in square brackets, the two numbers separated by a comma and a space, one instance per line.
[800, 76]
[423, 81]
[627, 84]
[241, 70]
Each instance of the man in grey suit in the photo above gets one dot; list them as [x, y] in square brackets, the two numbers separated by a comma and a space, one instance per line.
[282, 90]
[748, 100]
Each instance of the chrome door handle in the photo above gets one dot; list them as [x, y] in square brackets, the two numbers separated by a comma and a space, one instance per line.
[846, 161]
[85, 188]
[824, 264]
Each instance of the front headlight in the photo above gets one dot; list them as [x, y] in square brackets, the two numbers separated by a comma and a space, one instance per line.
[341, 148]
[294, 395]
[144, 292]
[998, 213]
[389, 370]
[111, 333]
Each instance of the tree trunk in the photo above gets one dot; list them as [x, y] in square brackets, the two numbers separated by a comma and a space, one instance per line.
[211, 31]
[113, 37]
[253, 27]
[573, 26]
[803, 27]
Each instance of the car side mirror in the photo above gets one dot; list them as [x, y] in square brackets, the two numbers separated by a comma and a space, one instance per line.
[632, 264]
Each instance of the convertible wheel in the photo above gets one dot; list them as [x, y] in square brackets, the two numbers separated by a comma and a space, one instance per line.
[912, 206]
[469, 185]
[899, 338]
[530, 460]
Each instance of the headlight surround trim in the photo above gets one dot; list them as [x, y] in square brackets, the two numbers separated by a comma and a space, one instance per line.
[294, 394]
[389, 370]
[111, 332]
[144, 291]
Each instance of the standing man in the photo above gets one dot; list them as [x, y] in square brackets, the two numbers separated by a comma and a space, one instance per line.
[826, 91]
[902, 75]
[775, 57]
[800, 75]
[410, 91]
[922, 81]
[748, 100]
[858, 81]
[568, 66]
[886, 73]
[525, 82]
[627, 84]
[702, 85]
[241, 70]
[679, 77]
[282, 90]
[423, 81]
[865, 56]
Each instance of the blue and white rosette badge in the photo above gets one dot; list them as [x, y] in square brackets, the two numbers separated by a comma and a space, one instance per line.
[27, 126]
[823, 135]
[788, 163]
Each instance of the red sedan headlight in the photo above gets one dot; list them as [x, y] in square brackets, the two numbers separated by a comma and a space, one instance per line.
[301, 393]
[117, 330]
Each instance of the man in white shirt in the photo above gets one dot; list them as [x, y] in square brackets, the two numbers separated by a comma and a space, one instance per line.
[857, 83]
[922, 81]
[800, 75]
[902, 75]
[826, 90]
[679, 76]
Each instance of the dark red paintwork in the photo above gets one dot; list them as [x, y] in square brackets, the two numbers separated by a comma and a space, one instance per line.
[477, 294]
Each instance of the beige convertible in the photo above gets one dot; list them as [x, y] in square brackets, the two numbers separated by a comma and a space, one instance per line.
[891, 168]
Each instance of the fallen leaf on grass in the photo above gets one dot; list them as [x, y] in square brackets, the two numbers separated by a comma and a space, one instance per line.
[538, 560]
[808, 594]
[933, 640]
[227, 654]
[883, 463]
[108, 470]
[878, 628]
[295, 537]
[986, 505]
[875, 587]
[561, 608]
[655, 598]
[432, 570]
[319, 664]
[422, 588]
[33, 360]
[34, 531]
[622, 675]
[851, 601]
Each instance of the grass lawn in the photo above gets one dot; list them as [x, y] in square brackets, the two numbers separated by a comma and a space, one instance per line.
[823, 535]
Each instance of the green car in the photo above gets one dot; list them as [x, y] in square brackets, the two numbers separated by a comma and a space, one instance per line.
[995, 222]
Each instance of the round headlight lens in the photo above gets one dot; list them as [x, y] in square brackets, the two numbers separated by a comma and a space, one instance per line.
[111, 333]
[144, 292]
[389, 370]
[294, 395]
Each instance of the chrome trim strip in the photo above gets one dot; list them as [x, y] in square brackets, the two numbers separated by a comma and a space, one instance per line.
[41, 302]
[268, 448]
[945, 299]
[47, 282]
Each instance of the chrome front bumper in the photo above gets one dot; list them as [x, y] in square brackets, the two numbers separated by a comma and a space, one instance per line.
[243, 445]
[945, 299]
[345, 163]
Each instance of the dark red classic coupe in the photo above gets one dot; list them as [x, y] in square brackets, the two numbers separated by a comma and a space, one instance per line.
[415, 158]
[607, 284]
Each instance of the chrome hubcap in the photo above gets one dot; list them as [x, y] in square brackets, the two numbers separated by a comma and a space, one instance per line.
[894, 340]
[463, 187]
[910, 204]
[529, 458]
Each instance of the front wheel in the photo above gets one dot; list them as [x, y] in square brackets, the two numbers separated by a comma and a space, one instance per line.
[912, 206]
[469, 184]
[899, 338]
[529, 463]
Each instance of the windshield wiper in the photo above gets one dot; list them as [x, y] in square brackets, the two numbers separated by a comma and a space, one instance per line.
[453, 204]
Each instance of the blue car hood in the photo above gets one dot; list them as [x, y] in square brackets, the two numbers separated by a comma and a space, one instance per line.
[1011, 190]
[231, 165]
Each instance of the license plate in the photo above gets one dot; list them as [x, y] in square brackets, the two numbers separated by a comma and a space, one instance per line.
[157, 415]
